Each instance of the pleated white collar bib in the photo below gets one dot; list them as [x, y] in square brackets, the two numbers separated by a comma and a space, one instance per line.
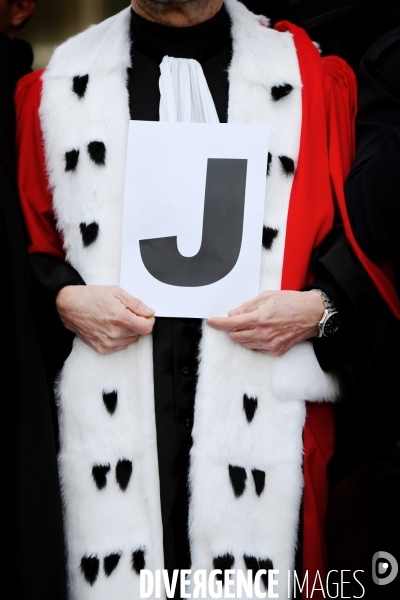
[185, 95]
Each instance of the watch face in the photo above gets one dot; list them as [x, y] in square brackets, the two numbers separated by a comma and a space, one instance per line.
[331, 325]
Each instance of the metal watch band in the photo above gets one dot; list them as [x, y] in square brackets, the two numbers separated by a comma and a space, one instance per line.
[330, 311]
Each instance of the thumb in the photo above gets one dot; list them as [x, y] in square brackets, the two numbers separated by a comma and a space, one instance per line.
[134, 304]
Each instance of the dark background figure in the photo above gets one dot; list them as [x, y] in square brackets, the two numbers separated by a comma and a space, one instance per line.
[343, 27]
[372, 188]
[32, 553]
[368, 500]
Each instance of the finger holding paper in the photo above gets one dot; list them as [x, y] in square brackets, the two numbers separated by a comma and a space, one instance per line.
[106, 318]
[274, 321]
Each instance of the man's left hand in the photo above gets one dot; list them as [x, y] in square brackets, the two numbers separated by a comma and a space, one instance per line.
[274, 321]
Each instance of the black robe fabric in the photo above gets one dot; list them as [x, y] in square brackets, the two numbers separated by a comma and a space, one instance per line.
[32, 547]
[372, 188]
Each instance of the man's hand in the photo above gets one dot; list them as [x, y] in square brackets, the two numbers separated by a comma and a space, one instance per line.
[274, 321]
[106, 318]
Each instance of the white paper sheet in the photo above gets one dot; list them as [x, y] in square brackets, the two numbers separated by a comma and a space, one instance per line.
[165, 196]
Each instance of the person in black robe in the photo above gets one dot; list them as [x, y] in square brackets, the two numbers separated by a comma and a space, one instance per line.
[32, 553]
[372, 493]
[342, 27]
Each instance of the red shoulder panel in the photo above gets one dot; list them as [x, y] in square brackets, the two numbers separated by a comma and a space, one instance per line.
[34, 191]
[311, 217]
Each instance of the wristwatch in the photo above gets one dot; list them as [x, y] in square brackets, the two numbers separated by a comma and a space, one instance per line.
[330, 321]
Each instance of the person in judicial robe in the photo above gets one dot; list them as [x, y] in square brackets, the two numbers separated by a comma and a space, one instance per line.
[167, 459]
[32, 549]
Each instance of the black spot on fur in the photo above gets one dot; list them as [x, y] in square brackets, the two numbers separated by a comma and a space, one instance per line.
[110, 400]
[251, 565]
[224, 563]
[71, 160]
[123, 473]
[280, 91]
[269, 162]
[254, 565]
[259, 480]
[287, 165]
[138, 560]
[111, 562]
[238, 478]
[80, 84]
[269, 234]
[99, 473]
[89, 233]
[97, 152]
[265, 563]
[250, 407]
[90, 568]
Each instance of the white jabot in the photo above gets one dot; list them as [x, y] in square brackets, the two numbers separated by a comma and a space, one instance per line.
[185, 95]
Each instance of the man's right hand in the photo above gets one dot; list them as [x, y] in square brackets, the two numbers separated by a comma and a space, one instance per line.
[106, 318]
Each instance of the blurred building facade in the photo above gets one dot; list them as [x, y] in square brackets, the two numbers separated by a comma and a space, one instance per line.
[55, 20]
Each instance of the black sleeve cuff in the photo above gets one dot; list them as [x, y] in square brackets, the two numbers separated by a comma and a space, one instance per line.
[342, 277]
[329, 350]
[53, 273]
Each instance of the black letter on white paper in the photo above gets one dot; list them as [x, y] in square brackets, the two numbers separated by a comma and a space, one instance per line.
[222, 232]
